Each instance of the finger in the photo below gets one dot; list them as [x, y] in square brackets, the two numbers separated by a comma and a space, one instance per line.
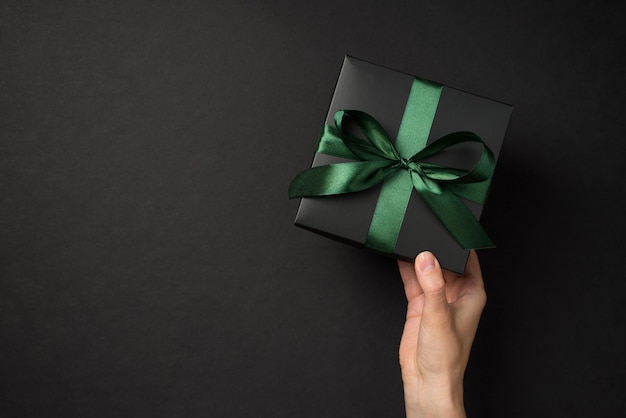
[472, 267]
[430, 278]
[409, 278]
[473, 295]
[474, 273]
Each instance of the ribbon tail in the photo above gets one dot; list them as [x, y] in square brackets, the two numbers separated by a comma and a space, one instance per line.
[475, 192]
[455, 216]
[340, 178]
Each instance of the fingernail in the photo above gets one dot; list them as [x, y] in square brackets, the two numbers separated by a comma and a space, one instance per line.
[426, 261]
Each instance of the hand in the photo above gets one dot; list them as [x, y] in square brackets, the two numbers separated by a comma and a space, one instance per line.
[442, 316]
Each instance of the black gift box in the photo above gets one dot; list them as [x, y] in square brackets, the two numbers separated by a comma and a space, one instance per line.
[383, 93]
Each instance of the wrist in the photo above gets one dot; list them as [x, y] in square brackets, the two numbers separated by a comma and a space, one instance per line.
[433, 400]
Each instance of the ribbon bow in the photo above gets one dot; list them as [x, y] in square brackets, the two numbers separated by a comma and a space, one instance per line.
[377, 160]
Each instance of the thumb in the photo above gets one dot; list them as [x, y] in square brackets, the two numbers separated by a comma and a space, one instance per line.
[430, 278]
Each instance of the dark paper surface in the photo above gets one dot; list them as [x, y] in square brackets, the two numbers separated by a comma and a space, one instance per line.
[149, 266]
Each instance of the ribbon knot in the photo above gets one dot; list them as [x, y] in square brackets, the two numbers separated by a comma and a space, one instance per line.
[376, 159]
[405, 163]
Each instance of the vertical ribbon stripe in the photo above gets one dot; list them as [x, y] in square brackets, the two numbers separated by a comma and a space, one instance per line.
[395, 193]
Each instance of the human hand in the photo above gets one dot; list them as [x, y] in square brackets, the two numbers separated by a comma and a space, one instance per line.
[443, 312]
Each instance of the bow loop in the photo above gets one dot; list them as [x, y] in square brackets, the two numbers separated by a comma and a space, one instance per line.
[374, 143]
[482, 171]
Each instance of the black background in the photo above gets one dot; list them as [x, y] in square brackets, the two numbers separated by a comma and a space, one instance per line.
[149, 265]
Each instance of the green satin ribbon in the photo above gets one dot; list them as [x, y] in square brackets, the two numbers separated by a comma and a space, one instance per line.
[378, 160]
